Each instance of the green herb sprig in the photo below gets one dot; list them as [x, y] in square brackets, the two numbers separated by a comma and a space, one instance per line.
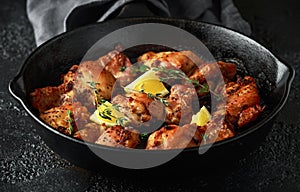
[156, 97]
[70, 121]
[139, 68]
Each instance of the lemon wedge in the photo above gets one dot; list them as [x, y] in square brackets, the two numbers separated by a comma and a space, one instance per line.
[108, 114]
[202, 117]
[149, 82]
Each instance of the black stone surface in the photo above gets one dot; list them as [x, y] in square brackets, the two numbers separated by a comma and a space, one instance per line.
[27, 164]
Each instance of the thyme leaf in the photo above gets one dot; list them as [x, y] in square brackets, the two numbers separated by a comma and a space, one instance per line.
[70, 121]
[106, 114]
[93, 84]
[123, 68]
[205, 137]
[121, 121]
[139, 68]
[156, 97]
[144, 136]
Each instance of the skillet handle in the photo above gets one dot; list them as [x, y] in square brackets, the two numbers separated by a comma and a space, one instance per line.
[17, 89]
[135, 9]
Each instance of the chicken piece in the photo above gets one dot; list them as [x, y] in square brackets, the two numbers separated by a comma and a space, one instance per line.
[243, 101]
[53, 96]
[81, 115]
[48, 97]
[60, 118]
[173, 137]
[215, 130]
[117, 136]
[135, 108]
[145, 114]
[169, 60]
[192, 56]
[64, 119]
[91, 132]
[248, 115]
[180, 104]
[92, 83]
[211, 71]
[118, 65]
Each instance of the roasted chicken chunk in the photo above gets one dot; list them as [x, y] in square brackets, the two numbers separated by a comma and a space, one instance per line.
[118, 64]
[66, 118]
[92, 83]
[212, 71]
[172, 137]
[181, 101]
[48, 97]
[118, 136]
[91, 132]
[243, 101]
[53, 96]
[134, 109]
[169, 60]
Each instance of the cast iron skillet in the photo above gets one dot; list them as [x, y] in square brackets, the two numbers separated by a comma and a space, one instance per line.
[45, 65]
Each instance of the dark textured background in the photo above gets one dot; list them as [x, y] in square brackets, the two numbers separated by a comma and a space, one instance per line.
[27, 164]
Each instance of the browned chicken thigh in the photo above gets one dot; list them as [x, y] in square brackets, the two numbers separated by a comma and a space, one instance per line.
[173, 137]
[54, 96]
[243, 101]
[181, 101]
[118, 136]
[169, 60]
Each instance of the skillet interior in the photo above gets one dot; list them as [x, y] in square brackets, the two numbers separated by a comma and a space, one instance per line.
[46, 64]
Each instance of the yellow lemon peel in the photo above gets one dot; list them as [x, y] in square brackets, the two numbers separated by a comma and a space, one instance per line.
[108, 114]
[149, 82]
[202, 117]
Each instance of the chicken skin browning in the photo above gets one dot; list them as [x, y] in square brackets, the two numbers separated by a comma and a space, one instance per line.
[91, 132]
[243, 101]
[172, 137]
[92, 83]
[53, 96]
[210, 71]
[180, 104]
[118, 136]
[169, 60]
[66, 118]
[135, 109]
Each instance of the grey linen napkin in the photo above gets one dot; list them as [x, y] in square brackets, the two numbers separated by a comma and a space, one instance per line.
[49, 17]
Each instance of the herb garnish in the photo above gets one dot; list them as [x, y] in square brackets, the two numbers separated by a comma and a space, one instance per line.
[123, 68]
[121, 121]
[93, 84]
[139, 68]
[205, 137]
[70, 121]
[156, 97]
[106, 114]
[204, 88]
[144, 136]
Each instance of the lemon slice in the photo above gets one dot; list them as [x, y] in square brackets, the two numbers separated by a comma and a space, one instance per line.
[202, 117]
[108, 114]
[149, 82]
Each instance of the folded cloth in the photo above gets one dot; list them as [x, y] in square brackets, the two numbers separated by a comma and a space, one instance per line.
[49, 17]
